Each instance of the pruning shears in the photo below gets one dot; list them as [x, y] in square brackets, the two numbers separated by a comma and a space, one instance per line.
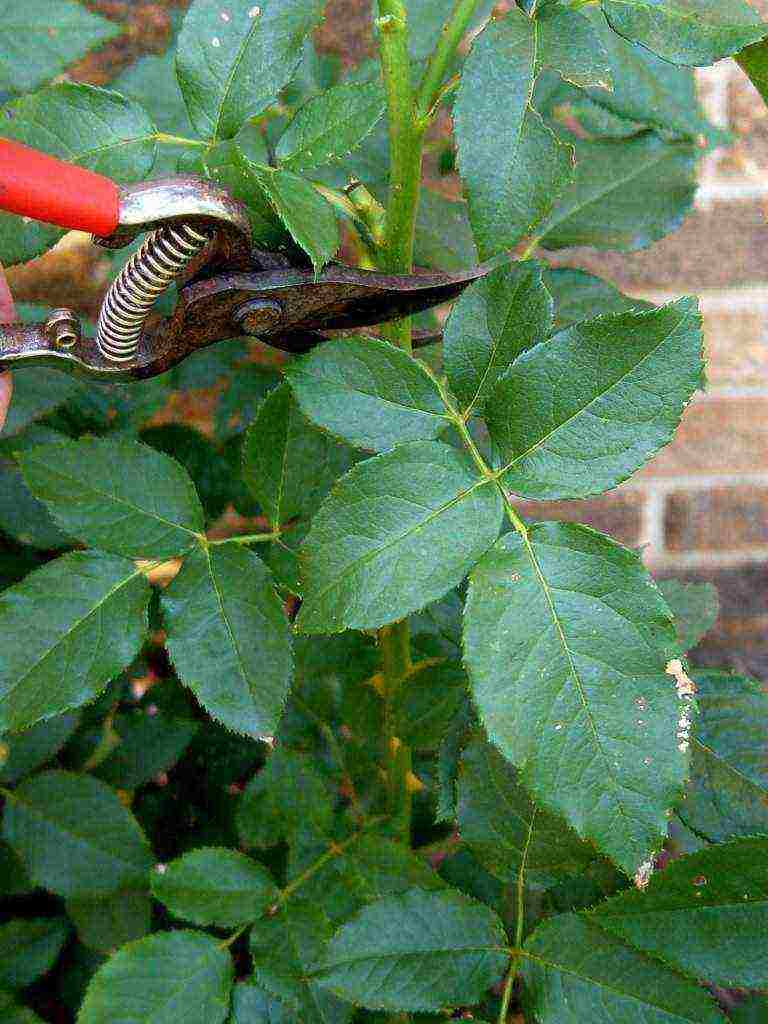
[199, 237]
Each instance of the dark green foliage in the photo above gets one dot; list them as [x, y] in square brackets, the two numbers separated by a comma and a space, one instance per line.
[300, 721]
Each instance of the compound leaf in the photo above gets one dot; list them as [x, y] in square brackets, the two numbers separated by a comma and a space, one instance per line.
[574, 971]
[706, 914]
[215, 886]
[368, 393]
[68, 628]
[232, 62]
[119, 496]
[494, 320]
[228, 637]
[74, 836]
[418, 951]
[579, 413]
[398, 531]
[691, 32]
[566, 641]
[178, 975]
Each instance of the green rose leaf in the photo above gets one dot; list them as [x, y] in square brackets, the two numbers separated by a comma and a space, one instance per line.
[646, 89]
[427, 703]
[690, 914]
[228, 165]
[573, 969]
[22, 516]
[287, 797]
[398, 531]
[728, 792]
[626, 194]
[232, 68]
[443, 233]
[753, 61]
[251, 1005]
[692, 32]
[578, 414]
[567, 641]
[284, 947]
[23, 752]
[695, 607]
[69, 628]
[495, 320]
[581, 296]
[74, 836]
[105, 924]
[418, 951]
[228, 637]
[505, 830]
[366, 867]
[36, 392]
[368, 393]
[148, 744]
[179, 975]
[29, 947]
[38, 41]
[91, 127]
[120, 496]
[310, 220]
[288, 464]
[512, 165]
[215, 886]
[330, 126]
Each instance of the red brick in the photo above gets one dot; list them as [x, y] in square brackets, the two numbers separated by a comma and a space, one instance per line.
[717, 248]
[618, 515]
[736, 347]
[717, 435]
[721, 519]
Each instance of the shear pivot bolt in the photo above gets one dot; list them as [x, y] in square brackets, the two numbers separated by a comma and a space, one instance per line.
[63, 328]
[257, 316]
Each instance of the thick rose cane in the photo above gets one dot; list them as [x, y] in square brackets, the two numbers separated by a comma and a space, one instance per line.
[7, 313]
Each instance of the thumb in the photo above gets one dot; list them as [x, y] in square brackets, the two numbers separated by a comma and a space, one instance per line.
[7, 314]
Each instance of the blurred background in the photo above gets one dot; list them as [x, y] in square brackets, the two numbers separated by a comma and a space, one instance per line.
[700, 510]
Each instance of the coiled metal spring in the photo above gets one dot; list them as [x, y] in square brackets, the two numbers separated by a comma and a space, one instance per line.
[163, 256]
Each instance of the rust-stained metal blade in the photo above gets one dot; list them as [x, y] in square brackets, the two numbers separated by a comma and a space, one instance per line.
[287, 308]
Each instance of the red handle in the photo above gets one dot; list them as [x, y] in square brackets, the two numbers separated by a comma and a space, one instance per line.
[39, 186]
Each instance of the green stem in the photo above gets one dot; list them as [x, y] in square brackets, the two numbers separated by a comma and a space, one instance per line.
[406, 141]
[453, 32]
[248, 538]
[178, 140]
[395, 645]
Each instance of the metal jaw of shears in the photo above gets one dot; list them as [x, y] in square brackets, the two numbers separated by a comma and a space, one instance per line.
[200, 239]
